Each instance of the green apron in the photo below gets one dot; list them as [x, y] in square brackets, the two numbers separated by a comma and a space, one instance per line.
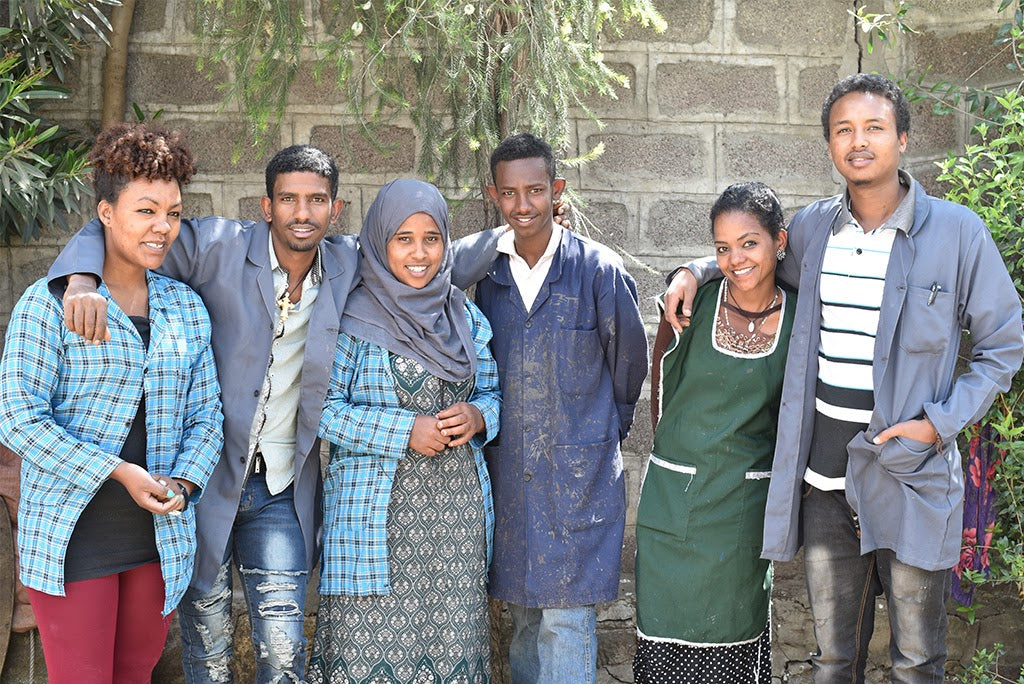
[699, 575]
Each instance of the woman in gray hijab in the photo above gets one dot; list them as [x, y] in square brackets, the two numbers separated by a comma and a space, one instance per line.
[407, 500]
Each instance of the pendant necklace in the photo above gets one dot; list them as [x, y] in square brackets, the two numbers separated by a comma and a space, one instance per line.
[754, 317]
[284, 302]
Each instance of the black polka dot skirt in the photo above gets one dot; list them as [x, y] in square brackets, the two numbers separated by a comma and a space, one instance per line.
[668, 662]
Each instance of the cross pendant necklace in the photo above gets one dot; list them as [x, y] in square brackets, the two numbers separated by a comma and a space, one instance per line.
[284, 303]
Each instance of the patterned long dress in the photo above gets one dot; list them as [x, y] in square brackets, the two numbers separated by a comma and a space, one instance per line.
[433, 626]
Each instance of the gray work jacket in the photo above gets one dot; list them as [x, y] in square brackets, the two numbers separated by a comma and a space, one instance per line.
[909, 497]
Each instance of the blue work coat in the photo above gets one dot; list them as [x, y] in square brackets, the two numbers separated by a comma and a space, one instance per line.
[571, 370]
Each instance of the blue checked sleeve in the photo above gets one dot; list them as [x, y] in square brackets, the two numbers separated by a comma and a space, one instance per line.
[361, 413]
[29, 375]
[202, 433]
[486, 395]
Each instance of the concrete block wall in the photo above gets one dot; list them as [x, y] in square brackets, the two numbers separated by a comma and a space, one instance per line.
[731, 91]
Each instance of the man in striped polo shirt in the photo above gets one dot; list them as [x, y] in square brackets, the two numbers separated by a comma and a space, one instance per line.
[866, 474]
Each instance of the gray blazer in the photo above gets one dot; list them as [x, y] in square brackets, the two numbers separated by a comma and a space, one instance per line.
[227, 261]
[909, 497]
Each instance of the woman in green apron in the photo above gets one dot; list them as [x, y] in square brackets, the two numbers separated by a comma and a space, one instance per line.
[703, 592]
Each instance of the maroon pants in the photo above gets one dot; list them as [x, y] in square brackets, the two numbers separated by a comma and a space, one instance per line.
[107, 629]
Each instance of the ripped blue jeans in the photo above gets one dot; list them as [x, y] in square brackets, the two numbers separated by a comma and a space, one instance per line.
[266, 547]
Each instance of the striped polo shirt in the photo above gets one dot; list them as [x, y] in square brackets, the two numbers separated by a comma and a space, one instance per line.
[852, 282]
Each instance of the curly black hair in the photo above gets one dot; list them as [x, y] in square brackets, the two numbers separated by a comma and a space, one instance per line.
[124, 152]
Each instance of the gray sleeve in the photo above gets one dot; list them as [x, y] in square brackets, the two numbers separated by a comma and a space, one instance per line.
[84, 253]
[473, 255]
[989, 307]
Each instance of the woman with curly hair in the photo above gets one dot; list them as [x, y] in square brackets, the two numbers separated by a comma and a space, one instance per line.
[116, 438]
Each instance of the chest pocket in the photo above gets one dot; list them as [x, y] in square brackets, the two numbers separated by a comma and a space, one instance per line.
[926, 321]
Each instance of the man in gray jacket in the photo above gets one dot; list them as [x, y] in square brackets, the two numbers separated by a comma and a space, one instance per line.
[867, 476]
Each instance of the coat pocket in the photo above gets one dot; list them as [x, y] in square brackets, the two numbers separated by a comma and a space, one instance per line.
[587, 484]
[750, 532]
[926, 319]
[666, 497]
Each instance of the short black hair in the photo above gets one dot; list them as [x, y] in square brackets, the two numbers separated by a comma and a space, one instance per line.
[869, 83]
[522, 146]
[302, 158]
[753, 198]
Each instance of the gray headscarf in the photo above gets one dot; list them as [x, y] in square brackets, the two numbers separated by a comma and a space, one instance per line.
[429, 324]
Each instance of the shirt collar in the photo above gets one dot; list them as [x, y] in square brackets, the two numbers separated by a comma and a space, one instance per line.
[902, 218]
[507, 243]
[315, 271]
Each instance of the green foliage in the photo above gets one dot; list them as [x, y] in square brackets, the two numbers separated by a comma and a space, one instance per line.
[988, 177]
[466, 73]
[42, 167]
[883, 27]
[984, 668]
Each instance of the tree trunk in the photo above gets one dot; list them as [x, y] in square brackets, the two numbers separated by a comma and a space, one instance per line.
[116, 63]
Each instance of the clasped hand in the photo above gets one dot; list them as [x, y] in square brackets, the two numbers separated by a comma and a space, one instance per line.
[452, 427]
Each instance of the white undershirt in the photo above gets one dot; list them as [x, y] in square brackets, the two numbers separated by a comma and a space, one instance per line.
[529, 280]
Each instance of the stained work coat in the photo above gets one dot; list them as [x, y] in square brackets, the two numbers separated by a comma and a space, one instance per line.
[571, 370]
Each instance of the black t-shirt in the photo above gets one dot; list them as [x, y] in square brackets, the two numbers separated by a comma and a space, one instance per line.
[114, 534]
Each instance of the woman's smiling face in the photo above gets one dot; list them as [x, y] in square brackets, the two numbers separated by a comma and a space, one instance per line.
[416, 250]
[746, 250]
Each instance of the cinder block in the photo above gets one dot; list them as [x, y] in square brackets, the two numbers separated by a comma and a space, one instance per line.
[350, 222]
[469, 216]
[154, 79]
[794, 27]
[676, 227]
[353, 153]
[216, 141]
[321, 89]
[814, 84]
[789, 159]
[689, 21]
[641, 435]
[197, 204]
[717, 89]
[926, 173]
[6, 291]
[650, 282]
[956, 55]
[29, 263]
[648, 158]
[924, 12]
[930, 134]
[149, 16]
[629, 101]
[609, 223]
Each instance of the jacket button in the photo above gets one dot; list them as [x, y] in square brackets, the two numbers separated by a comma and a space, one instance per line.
[527, 324]
[241, 459]
[255, 393]
[527, 476]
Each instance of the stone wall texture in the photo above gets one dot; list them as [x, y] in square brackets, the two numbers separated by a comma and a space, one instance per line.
[731, 91]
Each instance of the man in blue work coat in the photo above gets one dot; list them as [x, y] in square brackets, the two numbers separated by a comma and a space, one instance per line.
[572, 357]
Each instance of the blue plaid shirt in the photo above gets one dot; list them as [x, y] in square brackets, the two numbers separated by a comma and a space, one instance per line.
[66, 407]
[369, 433]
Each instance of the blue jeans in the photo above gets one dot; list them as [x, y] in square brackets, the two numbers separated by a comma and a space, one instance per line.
[553, 645]
[842, 585]
[267, 548]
